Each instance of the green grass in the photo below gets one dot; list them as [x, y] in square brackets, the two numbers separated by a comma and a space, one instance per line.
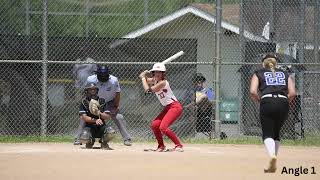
[25, 139]
[308, 141]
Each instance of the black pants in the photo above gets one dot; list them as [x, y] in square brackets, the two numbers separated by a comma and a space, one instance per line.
[97, 131]
[273, 113]
[204, 115]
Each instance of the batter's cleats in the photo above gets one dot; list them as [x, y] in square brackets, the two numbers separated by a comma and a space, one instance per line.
[272, 165]
[159, 149]
[177, 148]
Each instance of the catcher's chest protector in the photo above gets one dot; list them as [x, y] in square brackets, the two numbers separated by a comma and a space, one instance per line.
[86, 102]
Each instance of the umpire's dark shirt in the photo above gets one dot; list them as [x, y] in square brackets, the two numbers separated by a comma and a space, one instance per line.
[270, 85]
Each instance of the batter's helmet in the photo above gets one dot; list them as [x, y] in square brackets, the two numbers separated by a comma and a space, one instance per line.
[158, 67]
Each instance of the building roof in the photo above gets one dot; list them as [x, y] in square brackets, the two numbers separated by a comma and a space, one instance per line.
[230, 12]
[230, 21]
[195, 9]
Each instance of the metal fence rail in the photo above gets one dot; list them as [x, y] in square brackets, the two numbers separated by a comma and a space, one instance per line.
[42, 43]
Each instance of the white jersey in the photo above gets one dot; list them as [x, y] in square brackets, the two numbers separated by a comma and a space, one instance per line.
[165, 95]
[107, 90]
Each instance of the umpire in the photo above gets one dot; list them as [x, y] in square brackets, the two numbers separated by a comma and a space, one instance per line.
[276, 89]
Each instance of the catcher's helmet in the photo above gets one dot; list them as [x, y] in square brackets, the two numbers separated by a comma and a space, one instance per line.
[199, 78]
[102, 73]
[91, 86]
[158, 67]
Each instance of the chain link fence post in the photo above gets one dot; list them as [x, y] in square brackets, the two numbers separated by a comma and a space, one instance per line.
[217, 63]
[44, 69]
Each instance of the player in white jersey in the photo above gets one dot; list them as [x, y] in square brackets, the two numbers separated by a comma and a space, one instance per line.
[109, 89]
[172, 107]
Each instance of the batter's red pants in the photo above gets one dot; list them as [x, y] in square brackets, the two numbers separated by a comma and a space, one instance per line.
[160, 125]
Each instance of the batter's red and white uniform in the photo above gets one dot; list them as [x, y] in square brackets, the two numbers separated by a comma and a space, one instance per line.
[171, 112]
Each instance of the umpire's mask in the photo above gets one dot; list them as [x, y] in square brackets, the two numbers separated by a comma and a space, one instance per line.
[102, 73]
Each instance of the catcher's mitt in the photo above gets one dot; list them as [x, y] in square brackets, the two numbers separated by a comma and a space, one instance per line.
[94, 107]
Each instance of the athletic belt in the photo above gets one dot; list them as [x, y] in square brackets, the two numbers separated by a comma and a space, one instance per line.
[273, 95]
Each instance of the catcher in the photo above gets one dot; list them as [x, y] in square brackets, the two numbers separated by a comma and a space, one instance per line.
[94, 113]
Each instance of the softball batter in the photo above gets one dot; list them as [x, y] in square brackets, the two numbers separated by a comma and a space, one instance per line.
[277, 89]
[172, 107]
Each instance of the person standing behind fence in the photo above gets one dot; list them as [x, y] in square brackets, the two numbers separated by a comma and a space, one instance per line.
[109, 89]
[81, 72]
[172, 107]
[200, 100]
[277, 89]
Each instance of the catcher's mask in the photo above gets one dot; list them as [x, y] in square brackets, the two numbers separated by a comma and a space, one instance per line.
[102, 73]
[91, 91]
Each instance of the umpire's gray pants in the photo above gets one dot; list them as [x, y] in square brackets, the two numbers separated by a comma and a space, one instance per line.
[117, 119]
[122, 125]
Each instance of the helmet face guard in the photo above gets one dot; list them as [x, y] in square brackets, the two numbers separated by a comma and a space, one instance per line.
[162, 72]
[102, 73]
[89, 93]
[103, 77]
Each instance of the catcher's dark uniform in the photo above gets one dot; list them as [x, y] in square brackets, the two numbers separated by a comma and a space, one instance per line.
[274, 105]
[97, 131]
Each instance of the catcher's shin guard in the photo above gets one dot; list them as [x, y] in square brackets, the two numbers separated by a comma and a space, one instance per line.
[86, 136]
[108, 134]
[90, 144]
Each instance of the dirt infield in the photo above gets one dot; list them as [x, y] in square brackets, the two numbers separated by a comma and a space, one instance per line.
[199, 162]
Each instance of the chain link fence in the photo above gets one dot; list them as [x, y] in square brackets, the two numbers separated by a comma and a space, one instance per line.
[43, 43]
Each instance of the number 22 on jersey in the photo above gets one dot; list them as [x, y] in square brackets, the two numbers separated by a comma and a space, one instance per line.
[279, 78]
